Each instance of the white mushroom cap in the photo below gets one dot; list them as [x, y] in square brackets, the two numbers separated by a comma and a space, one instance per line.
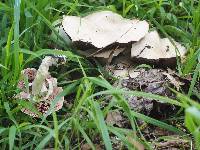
[148, 47]
[153, 47]
[104, 28]
[170, 49]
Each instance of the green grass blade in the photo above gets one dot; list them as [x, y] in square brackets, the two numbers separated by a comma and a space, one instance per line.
[197, 138]
[178, 32]
[157, 123]
[50, 135]
[5, 7]
[139, 94]
[11, 117]
[192, 119]
[28, 105]
[29, 127]
[44, 141]
[102, 126]
[121, 136]
[124, 104]
[194, 79]
[84, 135]
[16, 37]
[111, 90]
[41, 52]
[12, 133]
[2, 130]
[4, 67]
[48, 23]
[101, 82]
[191, 61]
[8, 49]
[56, 131]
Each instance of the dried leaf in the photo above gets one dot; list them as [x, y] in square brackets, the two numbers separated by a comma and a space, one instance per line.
[114, 118]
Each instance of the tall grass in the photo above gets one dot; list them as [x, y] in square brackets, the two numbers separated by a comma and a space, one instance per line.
[25, 30]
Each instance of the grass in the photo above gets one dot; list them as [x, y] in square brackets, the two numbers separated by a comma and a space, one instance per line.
[25, 29]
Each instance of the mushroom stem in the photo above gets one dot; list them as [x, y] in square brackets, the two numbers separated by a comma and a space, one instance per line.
[42, 73]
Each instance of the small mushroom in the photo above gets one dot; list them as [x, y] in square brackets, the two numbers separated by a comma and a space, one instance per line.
[42, 87]
[104, 28]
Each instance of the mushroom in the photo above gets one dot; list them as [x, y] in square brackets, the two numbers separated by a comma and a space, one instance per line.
[152, 47]
[104, 28]
[42, 87]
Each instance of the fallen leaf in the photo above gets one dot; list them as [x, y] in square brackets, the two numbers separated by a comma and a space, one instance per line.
[114, 118]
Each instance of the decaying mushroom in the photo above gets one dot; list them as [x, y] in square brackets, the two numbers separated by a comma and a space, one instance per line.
[152, 47]
[101, 29]
[155, 81]
[40, 87]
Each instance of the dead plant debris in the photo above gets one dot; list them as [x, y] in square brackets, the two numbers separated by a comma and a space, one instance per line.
[154, 81]
[115, 118]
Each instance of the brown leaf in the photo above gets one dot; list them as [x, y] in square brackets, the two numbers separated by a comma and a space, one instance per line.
[114, 117]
